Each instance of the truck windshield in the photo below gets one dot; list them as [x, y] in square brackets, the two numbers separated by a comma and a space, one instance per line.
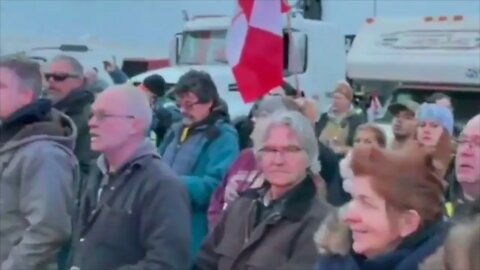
[203, 48]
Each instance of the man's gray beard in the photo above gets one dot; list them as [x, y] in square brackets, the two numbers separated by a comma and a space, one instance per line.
[52, 96]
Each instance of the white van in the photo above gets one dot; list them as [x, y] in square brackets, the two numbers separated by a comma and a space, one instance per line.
[415, 57]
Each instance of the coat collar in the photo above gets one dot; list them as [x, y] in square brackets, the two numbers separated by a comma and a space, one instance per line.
[75, 101]
[296, 202]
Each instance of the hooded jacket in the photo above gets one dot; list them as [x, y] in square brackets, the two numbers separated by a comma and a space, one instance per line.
[202, 155]
[137, 218]
[37, 173]
[77, 105]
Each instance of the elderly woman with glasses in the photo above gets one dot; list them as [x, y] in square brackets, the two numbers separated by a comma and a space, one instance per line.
[272, 227]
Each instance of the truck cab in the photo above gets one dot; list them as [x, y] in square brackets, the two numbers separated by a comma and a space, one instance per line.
[314, 52]
[412, 58]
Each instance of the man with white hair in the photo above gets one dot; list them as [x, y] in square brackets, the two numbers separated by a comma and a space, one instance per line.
[135, 212]
[467, 168]
[272, 227]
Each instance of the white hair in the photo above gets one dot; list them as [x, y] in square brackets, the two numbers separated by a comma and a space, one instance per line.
[298, 124]
[136, 102]
[74, 63]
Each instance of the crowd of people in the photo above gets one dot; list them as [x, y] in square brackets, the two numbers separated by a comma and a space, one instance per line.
[137, 177]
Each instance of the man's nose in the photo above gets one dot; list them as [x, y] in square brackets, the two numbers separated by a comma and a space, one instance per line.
[279, 158]
[466, 151]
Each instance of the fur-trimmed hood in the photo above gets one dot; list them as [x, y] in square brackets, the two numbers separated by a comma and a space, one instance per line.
[333, 235]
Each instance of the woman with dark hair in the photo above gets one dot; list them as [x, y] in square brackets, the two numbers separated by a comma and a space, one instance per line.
[395, 218]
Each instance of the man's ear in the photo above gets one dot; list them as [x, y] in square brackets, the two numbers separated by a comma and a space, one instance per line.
[29, 96]
[138, 125]
[409, 223]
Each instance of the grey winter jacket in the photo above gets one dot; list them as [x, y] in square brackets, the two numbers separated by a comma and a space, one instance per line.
[37, 171]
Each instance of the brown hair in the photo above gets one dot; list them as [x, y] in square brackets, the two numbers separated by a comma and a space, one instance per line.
[377, 132]
[442, 153]
[406, 178]
[27, 71]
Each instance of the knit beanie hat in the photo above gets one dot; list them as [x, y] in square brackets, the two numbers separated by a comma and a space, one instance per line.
[436, 113]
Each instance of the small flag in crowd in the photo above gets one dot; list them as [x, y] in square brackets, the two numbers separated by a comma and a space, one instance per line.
[255, 46]
[375, 111]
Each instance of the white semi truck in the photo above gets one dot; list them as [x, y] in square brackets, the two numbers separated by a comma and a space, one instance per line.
[315, 53]
[411, 58]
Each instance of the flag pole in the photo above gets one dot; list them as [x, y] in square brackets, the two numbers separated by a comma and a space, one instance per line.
[295, 62]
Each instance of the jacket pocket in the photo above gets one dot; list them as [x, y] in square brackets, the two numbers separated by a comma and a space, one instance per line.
[119, 227]
[227, 252]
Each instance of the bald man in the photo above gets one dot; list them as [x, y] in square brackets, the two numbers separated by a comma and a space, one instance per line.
[135, 212]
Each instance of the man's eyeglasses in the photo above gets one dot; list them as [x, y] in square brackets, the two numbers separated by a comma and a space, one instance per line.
[187, 105]
[100, 116]
[473, 140]
[58, 77]
[271, 151]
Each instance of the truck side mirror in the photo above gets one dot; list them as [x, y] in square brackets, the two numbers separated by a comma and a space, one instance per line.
[175, 49]
[297, 53]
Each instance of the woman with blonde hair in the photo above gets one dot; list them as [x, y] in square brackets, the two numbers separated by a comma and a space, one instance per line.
[367, 134]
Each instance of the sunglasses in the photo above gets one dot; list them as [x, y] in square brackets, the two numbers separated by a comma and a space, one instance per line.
[59, 77]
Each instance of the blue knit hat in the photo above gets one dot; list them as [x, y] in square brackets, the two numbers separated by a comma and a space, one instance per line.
[436, 113]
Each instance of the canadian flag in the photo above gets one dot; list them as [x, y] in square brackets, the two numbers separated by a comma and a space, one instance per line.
[255, 46]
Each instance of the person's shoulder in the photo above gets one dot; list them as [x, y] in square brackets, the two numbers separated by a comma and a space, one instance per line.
[157, 176]
[47, 152]
[226, 127]
[158, 168]
[427, 248]
[320, 208]
[45, 145]
[357, 117]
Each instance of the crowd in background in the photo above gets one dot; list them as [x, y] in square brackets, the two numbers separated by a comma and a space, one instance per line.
[130, 177]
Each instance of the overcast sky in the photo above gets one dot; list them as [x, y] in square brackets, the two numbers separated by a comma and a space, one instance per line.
[150, 24]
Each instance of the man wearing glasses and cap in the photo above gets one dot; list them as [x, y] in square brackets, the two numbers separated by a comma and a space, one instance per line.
[404, 122]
